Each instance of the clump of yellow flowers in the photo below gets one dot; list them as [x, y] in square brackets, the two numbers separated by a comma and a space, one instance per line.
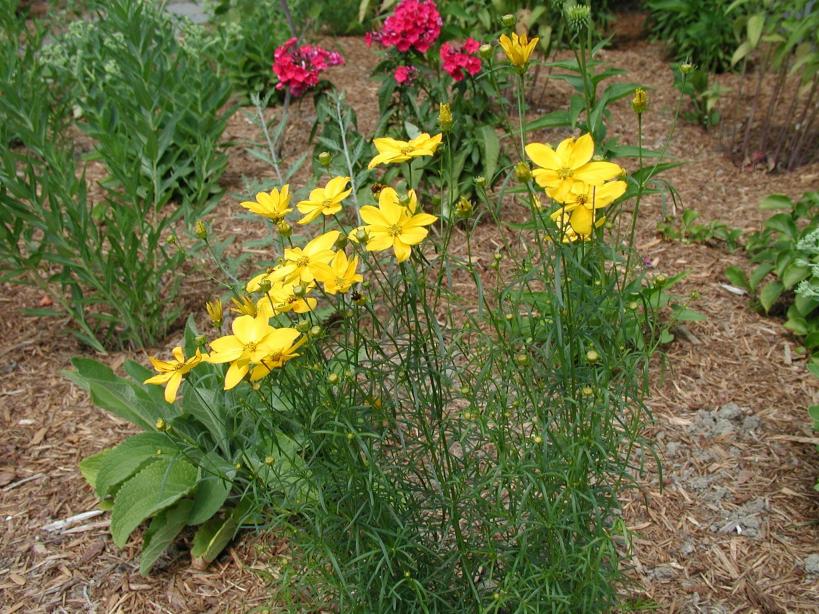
[580, 185]
[256, 347]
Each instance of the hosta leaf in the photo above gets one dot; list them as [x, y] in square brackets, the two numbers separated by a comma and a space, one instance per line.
[126, 458]
[157, 486]
[793, 274]
[737, 276]
[162, 532]
[769, 294]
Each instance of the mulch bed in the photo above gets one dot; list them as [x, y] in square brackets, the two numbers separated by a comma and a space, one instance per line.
[729, 525]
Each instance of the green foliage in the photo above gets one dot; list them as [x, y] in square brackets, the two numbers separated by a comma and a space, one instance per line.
[244, 41]
[696, 31]
[156, 111]
[703, 98]
[198, 463]
[688, 230]
[786, 255]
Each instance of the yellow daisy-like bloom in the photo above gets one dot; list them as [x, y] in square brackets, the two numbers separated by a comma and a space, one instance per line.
[281, 298]
[171, 372]
[272, 205]
[393, 151]
[595, 197]
[253, 340]
[276, 359]
[308, 263]
[215, 311]
[577, 222]
[344, 275]
[560, 169]
[395, 226]
[518, 48]
[324, 201]
[243, 306]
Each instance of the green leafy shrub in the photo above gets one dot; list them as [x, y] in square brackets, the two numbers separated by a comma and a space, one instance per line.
[688, 230]
[156, 112]
[786, 250]
[703, 98]
[197, 463]
[696, 31]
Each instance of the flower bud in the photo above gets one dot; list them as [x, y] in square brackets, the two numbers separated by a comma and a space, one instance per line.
[686, 68]
[640, 101]
[303, 326]
[445, 117]
[160, 424]
[592, 356]
[201, 230]
[361, 235]
[578, 16]
[522, 172]
[463, 208]
[315, 331]
[215, 312]
[268, 460]
[508, 20]
[522, 359]
[324, 158]
[480, 181]
[299, 290]
[284, 229]
[485, 51]
[332, 379]
[341, 242]
[587, 391]
[537, 439]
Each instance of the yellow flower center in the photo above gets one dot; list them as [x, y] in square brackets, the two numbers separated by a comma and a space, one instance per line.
[394, 230]
[582, 199]
[303, 262]
[250, 347]
[327, 202]
[407, 149]
[564, 173]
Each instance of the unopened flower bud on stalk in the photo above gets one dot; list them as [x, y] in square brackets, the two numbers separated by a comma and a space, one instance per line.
[578, 16]
[523, 172]
[284, 229]
[341, 242]
[361, 235]
[445, 117]
[299, 290]
[160, 424]
[332, 379]
[324, 158]
[485, 51]
[686, 68]
[508, 20]
[215, 312]
[303, 326]
[201, 230]
[463, 207]
[640, 101]
[315, 331]
[480, 181]
[592, 356]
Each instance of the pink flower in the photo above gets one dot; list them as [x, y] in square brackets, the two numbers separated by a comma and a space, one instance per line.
[457, 59]
[415, 24]
[404, 75]
[298, 68]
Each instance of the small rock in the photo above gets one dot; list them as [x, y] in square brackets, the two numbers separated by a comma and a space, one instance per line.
[730, 411]
[745, 520]
[812, 564]
[750, 423]
[662, 572]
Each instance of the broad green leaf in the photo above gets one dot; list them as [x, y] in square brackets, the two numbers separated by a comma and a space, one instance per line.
[755, 25]
[683, 314]
[129, 456]
[157, 486]
[797, 325]
[737, 276]
[214, 535]
[491, 151]
[759, 273]
[162, 532]
[793, 274]
[666, 337]
[775, 201]
[741, 51]
[90, 466]
[555, 119]
[769, 294]
[213, 488]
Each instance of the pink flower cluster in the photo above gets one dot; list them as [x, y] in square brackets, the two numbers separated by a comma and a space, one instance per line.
[298, 68]
[459, 60]
[404, 75]
[415, 24]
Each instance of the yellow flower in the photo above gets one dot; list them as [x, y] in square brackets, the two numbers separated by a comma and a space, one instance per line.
[253, 340]
[309, 263]
[640, 101]
[272, 205]
[286, 350]
[326, 200]
[576, 222]
[391, 151]
[344, 275]
[595, 197]
[518, 48]
[282, 298]
[171, 372]
[243, 306]
[215, 311]
[571, 163]
[393, 225]
[445, 116]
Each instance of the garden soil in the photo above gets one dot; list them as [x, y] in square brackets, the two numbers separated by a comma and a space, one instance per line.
[726, 522]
